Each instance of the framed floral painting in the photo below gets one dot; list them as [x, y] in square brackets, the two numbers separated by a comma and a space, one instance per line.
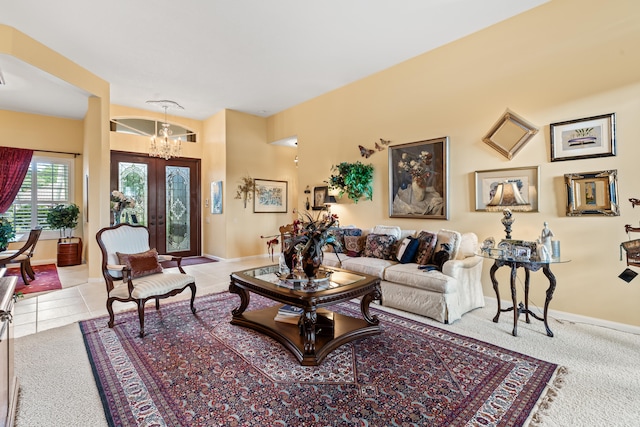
[418, 179]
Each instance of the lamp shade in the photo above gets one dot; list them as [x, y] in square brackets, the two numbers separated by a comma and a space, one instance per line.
[508, 196]
[330, 199]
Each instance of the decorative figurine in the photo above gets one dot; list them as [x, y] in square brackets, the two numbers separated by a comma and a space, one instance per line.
[545, 237]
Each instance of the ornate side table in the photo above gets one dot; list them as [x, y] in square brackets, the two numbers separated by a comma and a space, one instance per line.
[528, 265]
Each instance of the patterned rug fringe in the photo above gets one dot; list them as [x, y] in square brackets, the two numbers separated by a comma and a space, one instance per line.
[543, 405]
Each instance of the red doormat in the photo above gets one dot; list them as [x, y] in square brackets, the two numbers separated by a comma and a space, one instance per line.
[46, 279]
[199, 370]
[194, 260]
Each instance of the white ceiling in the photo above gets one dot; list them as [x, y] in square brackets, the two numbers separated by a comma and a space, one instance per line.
[255, 56]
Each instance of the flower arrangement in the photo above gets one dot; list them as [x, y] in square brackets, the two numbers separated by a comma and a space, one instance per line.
[245, 189]
[307, 239]
[418, 167]
[119, 201]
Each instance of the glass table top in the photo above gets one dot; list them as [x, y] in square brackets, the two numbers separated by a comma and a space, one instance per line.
[328, 278]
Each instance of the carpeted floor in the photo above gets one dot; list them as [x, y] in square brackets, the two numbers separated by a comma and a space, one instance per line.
[202, 371]
[601, 386]
[46, 279]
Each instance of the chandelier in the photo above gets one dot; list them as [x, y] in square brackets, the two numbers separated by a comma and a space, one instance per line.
[161, 144]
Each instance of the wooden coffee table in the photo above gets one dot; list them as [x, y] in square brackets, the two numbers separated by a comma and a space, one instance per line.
[306, 341]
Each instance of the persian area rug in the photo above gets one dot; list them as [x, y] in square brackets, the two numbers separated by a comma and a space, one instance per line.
[202, 371]
[46, 279]
[194, 260]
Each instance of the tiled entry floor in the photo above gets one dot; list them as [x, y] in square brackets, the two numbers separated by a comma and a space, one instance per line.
[80, 299]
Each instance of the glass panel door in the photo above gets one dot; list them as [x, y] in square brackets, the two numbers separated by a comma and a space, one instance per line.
[177, 208]
[167, 199]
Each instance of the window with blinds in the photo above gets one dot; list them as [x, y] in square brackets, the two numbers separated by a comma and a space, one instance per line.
[47, 183]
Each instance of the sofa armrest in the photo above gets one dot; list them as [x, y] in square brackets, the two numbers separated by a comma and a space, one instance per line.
[455, 267]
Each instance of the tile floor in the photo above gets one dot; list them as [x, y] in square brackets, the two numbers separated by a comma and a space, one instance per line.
[79, 299]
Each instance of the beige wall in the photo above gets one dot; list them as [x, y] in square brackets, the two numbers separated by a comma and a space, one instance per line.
[95, 126]
[45, 133]
[249, 153]
[214, 168]
[567, 59]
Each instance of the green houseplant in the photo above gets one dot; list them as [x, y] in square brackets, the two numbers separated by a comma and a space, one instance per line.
[6, 233]
[354, 179]
[63, 218]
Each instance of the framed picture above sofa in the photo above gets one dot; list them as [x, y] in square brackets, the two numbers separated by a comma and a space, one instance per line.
[418, 179]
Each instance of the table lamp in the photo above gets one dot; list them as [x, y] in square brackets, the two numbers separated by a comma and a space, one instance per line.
[508, 199]
[328, 201]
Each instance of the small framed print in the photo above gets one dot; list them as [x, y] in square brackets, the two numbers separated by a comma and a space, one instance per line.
[216, 197]
[592, 193]
[583, 138]
[270, 196]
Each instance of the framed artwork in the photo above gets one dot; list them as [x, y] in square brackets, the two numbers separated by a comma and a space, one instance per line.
[319, 196]
[592, 193]
[510, 134]
[527, 179]
[583, 138]
[269, 196]
[419, 179]
[216, 197]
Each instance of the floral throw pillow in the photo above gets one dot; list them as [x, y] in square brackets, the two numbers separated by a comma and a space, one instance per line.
[340, 233]
[426, 248]
[354, 245]
[380, 246]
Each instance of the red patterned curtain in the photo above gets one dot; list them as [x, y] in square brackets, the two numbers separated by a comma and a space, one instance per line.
[14, 164]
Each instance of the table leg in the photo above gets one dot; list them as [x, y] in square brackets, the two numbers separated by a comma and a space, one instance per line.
[308, 330]
[492, 274]
[550, 290]
[526, 294]
[376, 294]
[516, 312]
[244, 299]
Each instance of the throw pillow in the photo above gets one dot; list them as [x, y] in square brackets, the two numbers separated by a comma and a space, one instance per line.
[141, 264]
[380, 246]
[449, 241]
[427, 247]
[392, 230]
[354, 245]
[407, 250]
[340, 233]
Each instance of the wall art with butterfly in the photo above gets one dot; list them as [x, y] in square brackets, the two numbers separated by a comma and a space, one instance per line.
[419, 179]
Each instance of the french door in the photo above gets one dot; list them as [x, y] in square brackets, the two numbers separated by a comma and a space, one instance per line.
[167, 196]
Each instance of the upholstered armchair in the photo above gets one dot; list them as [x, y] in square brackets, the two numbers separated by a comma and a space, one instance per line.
[132, 270]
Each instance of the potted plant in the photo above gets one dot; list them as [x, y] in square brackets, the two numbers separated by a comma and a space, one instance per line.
[63, 218]
[6, 233]
[354, 179]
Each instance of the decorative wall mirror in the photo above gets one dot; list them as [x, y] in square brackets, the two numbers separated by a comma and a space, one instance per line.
[510, 133]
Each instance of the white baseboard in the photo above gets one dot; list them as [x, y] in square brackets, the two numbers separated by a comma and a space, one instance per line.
[578, 318]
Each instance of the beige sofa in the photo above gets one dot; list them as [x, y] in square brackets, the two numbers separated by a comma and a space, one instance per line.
[441, 295]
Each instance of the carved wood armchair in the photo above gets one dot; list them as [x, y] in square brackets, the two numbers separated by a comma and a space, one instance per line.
[132, 270]
[23, 256]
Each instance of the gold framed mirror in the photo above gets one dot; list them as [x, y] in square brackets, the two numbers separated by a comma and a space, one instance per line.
[510, 134]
